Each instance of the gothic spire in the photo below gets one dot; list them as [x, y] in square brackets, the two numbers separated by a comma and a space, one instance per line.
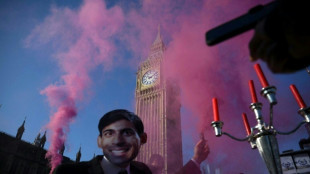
[62, 150]
[43, 140]
[158, 44]
[21, 130]
[156, 52]
[158, 37]
[36, 141]
[78, 155]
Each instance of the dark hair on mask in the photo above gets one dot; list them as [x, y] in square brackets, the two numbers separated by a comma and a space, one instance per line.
[120, 114]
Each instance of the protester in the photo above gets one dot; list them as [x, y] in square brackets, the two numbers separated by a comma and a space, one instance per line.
[282, 39]
[201, 152]
[121, 134]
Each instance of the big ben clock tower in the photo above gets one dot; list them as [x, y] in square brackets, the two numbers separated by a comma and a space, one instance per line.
[158, 105]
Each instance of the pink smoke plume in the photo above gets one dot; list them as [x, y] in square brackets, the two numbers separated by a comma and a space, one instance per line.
[82, 40]
[222, 71]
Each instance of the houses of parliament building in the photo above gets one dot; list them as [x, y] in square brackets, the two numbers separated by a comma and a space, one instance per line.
[21, 157]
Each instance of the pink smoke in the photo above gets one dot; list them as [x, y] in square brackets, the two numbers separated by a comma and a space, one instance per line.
[85, 38]
[203, 73]
[82, 40]
[222, 71]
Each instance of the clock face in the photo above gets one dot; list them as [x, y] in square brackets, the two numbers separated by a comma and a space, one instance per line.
[150, 77]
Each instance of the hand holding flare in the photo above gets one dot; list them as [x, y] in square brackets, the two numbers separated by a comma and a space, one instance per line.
[215, 110]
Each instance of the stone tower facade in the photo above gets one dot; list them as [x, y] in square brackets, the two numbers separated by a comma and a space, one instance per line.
[158, 105]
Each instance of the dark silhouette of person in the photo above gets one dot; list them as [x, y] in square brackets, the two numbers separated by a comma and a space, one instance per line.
[282, 38]
[201, 152]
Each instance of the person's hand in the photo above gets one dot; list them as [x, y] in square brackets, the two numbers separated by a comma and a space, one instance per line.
[280, 44]
[201, 151]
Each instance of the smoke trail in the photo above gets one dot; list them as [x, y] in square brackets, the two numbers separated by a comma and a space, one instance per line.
[82, 40]
[85, 38]
[204, 72]
[222, 72]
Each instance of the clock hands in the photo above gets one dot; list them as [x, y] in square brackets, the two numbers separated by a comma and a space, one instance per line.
[153, 74]
[150, 77]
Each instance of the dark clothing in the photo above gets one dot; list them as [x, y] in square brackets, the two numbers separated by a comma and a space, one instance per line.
[189, 168]
[94, 167]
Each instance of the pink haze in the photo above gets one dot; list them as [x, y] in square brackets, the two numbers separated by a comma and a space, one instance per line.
[84, 39]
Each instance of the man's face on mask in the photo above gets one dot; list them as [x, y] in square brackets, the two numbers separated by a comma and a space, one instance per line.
[120, 142]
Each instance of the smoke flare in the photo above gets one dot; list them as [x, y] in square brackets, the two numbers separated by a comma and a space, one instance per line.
[82, 40]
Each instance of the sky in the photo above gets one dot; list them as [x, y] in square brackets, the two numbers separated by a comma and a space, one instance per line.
[80, 57]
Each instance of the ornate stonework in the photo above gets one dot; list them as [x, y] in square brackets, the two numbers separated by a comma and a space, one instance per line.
[158, 105]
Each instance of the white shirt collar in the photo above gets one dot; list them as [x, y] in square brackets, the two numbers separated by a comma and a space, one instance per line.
[109, 168]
